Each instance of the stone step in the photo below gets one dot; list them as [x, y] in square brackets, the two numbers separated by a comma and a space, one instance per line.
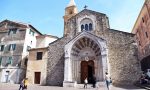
[98, 84]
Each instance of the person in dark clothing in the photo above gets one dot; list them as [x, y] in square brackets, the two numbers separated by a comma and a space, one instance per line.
[143, 79]
[94, 81]
[21, 85]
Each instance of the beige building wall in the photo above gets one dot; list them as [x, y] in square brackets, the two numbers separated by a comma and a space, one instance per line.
[44, 40]
[35, 65]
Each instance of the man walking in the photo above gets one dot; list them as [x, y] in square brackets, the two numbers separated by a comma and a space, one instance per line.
[107, 78]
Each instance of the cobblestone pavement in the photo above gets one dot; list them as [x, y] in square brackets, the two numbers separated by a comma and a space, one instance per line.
[36, 87]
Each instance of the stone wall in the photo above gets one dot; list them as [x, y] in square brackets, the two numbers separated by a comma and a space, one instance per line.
[55, 65]
[123, 58]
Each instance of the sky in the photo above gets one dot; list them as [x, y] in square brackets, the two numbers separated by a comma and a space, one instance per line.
[47, 15]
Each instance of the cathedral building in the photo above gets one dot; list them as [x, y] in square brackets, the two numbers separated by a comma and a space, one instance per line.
[89, 48]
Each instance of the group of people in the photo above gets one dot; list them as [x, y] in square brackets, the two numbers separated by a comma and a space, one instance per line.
[24, 84]
[145, 77]
[93, 82]
[107, 79]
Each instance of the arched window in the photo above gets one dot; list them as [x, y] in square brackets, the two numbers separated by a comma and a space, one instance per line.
[82, 27]
[90, 27]
[86, 27]
[86, 24]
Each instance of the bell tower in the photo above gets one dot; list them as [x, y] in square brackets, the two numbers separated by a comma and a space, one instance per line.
[70, 11]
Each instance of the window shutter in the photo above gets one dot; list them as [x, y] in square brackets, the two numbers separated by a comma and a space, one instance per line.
[9, 60]
[13, 46]
[1, 47]
[0, 60]
[9, 47]
[9, 32]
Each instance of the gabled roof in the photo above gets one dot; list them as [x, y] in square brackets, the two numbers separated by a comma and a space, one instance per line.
[46, 35]
[88, 11]
[19, 24]
[14, 22]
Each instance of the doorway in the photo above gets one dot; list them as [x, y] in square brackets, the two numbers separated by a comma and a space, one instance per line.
[87, 71]
[37, 77]
[7, 77]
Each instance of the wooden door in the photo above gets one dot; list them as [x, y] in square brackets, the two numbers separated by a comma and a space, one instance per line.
[84, 71]
[91, 71]
[37, 77]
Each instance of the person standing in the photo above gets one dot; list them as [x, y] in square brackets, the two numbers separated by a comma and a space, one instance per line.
[85, 83]
[21, 85]
[107, 78]
[94, 81]
[25, 83]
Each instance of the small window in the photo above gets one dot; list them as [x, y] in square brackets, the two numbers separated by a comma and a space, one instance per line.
[146, 34]
[1, 47]
[90, 27]
[12, 47]
[7, 71]
[143, 19]
[71, 12]
[82, 27]
[12, 31]
[39, 55]
[86, 27]
[31, 32]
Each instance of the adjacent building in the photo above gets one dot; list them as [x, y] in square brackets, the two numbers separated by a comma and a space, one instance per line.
[15, 40]
[142, 31]
[37, 63]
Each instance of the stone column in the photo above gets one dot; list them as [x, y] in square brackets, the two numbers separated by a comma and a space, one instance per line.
[67, 70]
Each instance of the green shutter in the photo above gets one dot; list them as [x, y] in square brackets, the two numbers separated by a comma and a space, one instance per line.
[13, 46]
[9, 60]
[0, 60]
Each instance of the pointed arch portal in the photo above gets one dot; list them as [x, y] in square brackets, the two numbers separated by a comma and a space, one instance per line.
[85, 57]
[88, 51]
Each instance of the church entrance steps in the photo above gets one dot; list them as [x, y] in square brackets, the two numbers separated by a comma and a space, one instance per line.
[80, 86]
[74, 84]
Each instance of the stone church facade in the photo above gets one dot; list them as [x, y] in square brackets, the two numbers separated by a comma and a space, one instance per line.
[89, 47]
